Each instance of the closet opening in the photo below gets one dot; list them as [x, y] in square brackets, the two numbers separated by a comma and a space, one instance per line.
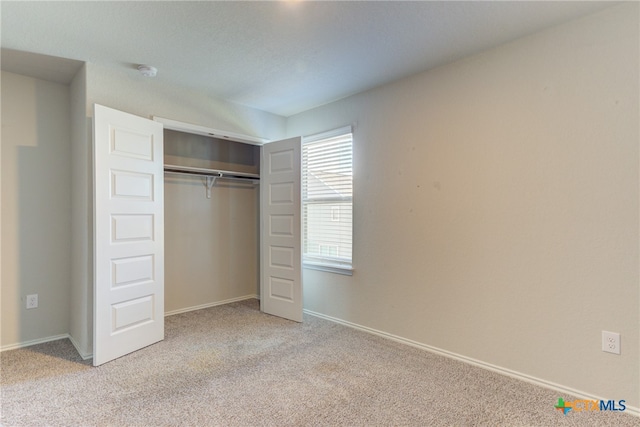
[212, 221]
[161, 247]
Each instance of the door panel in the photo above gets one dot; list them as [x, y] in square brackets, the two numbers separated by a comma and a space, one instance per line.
[280, 259]
[128, 234]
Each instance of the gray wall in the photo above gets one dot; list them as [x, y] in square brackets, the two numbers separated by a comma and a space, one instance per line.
[36, 213]
[496, 207]
[80, 328]
[128, 91]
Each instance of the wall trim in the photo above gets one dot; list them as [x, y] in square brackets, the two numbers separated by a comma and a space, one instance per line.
[211, 304]
[494, 368]
[83, 355]
[213, 133]
[86, 356]
[29, 343]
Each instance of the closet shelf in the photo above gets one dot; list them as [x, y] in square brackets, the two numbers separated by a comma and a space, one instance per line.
[217, 173]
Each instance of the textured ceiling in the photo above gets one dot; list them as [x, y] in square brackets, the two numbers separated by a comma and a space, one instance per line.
[283, 57]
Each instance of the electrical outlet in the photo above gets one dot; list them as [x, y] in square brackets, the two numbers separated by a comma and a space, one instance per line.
[32, 301]
[611, 342]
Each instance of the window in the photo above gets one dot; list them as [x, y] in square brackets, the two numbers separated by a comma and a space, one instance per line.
[327, 206]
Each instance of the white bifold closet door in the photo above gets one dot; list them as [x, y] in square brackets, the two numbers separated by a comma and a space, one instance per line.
[128, 312]
[281, 254]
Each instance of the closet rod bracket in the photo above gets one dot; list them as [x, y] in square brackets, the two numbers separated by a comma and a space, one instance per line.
[211, 180]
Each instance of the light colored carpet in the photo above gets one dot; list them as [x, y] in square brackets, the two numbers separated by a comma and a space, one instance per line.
[234, 366]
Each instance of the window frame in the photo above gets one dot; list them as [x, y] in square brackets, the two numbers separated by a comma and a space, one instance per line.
[311, 262]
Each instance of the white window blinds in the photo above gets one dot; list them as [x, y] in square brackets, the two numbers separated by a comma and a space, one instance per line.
[327, 191]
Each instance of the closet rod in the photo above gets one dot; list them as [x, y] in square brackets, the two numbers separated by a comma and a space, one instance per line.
[212, 172]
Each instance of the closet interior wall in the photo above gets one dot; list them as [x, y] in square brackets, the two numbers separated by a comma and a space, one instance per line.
[211, 244]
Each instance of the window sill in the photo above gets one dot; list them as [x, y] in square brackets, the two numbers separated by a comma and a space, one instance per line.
[337, 269]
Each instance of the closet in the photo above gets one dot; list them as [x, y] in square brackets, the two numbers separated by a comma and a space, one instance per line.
[185, 218]
[211, 223]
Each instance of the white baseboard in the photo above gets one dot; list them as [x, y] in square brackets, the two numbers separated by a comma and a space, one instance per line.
[85, 356]
[500, 370]
[24, 344]
[211, 304]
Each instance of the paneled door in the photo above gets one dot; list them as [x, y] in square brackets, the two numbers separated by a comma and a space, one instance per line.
[280, 211]
[128, 311]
